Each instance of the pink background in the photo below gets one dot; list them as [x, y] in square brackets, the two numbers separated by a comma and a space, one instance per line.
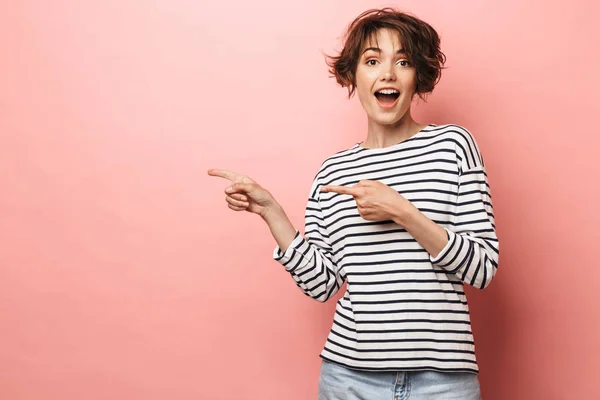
[123, 275]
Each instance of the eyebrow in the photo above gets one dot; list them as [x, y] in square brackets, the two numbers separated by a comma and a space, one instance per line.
[378, 50]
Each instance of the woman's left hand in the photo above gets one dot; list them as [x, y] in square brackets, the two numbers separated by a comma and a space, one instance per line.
[376, 201]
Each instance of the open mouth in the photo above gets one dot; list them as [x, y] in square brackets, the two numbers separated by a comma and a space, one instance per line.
[387, 97]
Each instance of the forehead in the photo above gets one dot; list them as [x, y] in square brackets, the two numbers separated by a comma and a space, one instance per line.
[385, 39]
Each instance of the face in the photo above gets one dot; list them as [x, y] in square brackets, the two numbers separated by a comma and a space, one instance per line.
[385, 79]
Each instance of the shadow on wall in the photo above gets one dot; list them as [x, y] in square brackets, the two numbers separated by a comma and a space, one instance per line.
[492, 323]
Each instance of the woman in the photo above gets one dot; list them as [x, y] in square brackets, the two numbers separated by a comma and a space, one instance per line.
[405, 218]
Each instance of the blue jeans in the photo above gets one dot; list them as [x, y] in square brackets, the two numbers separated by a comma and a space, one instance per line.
[340, 383]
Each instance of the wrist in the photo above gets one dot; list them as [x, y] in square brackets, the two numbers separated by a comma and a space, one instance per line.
[280, 226]
[272, 213]
[403, 215]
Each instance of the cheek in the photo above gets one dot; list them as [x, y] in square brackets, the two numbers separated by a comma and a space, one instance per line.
[364, 94]
[409, 83]
[365, 79]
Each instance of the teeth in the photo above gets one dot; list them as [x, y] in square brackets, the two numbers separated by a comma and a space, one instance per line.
[387, 91]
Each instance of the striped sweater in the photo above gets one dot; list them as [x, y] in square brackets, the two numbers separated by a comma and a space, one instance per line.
[403, 309]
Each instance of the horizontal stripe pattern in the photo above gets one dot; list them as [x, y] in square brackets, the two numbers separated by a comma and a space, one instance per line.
[403, 308]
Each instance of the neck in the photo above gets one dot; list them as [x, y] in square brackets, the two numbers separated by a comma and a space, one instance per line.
[379, 136]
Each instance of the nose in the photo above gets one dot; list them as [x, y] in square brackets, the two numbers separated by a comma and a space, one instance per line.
[389, 74]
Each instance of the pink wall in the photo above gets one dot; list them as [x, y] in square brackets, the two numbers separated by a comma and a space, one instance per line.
[123, 275]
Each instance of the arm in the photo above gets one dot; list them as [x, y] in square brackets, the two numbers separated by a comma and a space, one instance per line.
[472, 251]
[470, 248]
[430, 235]
[309, 258]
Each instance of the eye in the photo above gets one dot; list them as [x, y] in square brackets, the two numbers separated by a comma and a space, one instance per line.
[371, 62]
[404, 63]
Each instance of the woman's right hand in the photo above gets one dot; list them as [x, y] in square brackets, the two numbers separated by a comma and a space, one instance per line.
[244, 194]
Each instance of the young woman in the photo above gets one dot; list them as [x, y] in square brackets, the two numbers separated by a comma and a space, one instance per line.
[404, 217]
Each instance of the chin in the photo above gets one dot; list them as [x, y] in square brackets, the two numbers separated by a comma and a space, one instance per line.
[387, 120]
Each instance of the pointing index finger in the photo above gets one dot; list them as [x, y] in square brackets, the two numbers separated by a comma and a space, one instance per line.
[338, 189]
[223, 173]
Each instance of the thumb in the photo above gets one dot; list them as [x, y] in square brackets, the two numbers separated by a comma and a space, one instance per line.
[241, 187]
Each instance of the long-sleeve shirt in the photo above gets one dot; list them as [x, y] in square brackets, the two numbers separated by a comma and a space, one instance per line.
[403, 308]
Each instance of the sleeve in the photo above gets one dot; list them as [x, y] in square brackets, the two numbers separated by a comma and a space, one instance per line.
[309, 258]
[472, 251]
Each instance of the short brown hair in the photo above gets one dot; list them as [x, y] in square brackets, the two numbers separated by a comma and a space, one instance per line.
[420, 41]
